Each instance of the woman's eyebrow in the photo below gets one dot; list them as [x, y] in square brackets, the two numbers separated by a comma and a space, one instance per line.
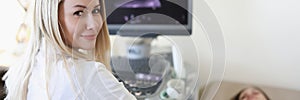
[81, 6]
[97, 6]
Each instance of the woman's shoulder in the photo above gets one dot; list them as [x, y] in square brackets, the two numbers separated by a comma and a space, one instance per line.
[96, 81]
[82, 69]
[78, 70]
[81, 63]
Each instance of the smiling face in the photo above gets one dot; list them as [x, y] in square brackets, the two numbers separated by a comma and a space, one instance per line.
[80, 22]
[252, 94]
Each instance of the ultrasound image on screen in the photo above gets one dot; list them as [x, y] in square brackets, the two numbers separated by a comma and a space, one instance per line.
[139, 11]
[141, 4]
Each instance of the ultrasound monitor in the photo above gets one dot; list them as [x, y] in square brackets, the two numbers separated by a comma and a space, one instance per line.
[143, 73]
[138, 17]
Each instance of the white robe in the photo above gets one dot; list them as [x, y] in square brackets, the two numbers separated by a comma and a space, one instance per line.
[92, 81]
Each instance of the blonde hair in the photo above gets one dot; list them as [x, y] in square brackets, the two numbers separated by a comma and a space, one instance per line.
[46, 25]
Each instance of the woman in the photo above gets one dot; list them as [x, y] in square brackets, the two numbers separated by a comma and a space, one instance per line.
[68, 55]
[251, 93]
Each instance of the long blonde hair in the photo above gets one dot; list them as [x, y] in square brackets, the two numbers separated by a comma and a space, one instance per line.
[46, 25]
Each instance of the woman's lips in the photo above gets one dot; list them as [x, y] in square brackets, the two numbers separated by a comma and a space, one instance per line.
[89, 37]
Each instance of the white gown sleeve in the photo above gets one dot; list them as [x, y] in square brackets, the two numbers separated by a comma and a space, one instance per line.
[95, 82]
[83, 80]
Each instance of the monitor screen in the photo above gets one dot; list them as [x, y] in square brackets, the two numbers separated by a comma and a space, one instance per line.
[139, 17]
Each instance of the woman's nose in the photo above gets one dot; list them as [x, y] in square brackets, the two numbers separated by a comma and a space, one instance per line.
[91, 23]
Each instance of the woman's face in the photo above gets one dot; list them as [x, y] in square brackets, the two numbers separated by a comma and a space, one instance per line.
[252, 94]
[80, 22]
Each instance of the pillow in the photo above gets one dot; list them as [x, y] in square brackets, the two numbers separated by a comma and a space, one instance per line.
[228, 90]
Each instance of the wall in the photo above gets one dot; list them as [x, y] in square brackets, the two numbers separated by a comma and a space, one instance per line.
[10, 20]
[262, 41]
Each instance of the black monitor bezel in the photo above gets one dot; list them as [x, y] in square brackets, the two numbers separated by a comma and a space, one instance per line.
[162, 29]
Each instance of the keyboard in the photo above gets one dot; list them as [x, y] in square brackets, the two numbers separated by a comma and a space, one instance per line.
[137, 76]
[131, 65]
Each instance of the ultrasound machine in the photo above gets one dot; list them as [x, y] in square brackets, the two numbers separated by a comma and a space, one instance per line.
[150, 72]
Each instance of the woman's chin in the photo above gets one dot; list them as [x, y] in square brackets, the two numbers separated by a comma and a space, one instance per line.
[88, 48]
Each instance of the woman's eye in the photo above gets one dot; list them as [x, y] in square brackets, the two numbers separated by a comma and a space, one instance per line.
[78, 13]
[96, 11]
[243, 97]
